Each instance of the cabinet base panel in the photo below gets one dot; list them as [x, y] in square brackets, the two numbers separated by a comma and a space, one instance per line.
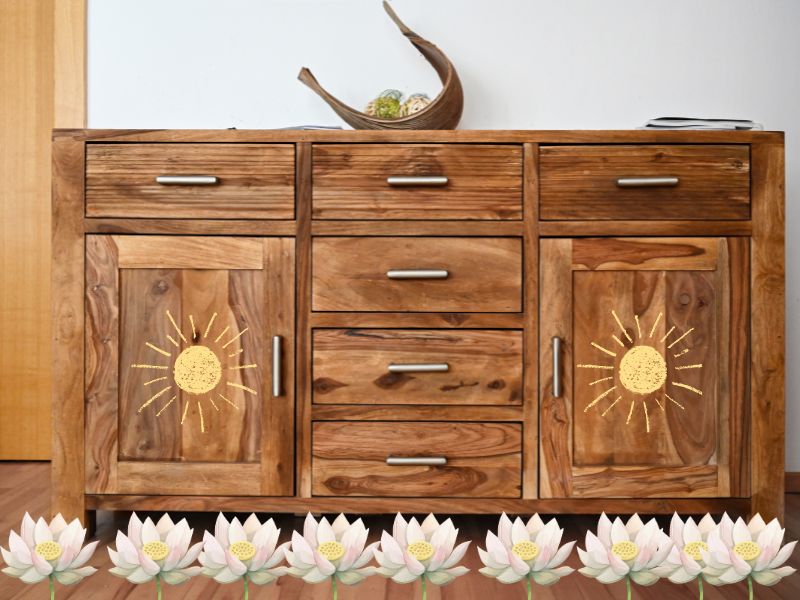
[684, 506]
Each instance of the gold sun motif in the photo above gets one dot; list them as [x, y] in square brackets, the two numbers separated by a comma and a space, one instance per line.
[197, 369]
[642, 370]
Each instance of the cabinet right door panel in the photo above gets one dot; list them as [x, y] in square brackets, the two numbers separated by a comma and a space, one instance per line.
[647, 339]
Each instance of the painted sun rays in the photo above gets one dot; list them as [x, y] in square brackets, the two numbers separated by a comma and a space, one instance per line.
[639, 372]
[201, 370]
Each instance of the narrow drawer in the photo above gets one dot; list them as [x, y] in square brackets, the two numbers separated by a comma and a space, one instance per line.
[238, 181]
[417, 181]
[410, 366]
[416, 459]
[423, 274]
[644, 182]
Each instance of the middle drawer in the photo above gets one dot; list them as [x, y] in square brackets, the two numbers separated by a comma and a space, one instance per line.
[417, 274]
[417, 366]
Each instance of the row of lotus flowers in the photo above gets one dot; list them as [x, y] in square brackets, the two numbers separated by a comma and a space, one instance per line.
[717, 553]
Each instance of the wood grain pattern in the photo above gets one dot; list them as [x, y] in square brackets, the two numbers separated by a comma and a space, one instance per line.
[189, 226]
[26, 73]
[483, 459]
[413, 412]
[350, 366]
[426, 320]
[255, 181]
[602, 438]
[485, 274]
[147, 315]
[67, 462]
[768, 322]
[579, 182]
[166, 252]
[484, 182]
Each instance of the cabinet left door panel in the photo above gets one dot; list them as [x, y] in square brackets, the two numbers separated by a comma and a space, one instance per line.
[179, 365]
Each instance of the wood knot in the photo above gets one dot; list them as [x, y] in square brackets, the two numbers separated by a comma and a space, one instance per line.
[390, 381]
[325, 385]
[497, 384]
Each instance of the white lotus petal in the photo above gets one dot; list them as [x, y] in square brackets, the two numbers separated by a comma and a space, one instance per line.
[545, 577]
[139, 575]
[251, 525]
[691, 533]
[644, 577]
[221, 527]
[404, 576]
[391, 549]
[26, 531]
[41, 532]
[315, 576]
[609, 576]
[456, 556]
[190, 556]
[604, 530]
[414, 532]
[399, 530]
[41, 565]
[310, 531]
[57, 525]
[783, 555]
[535, 525]
[504, 531]
[740, 532]
[756, 525]
[32, 576]
[413, 565]
[429, 525]
[633, 525]
[487, 560]
[618, 532]
[325, 532]
[340, 525]
[174, 577]
[84, 555]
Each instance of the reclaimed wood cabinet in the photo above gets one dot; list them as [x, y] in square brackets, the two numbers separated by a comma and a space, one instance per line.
[455, 321]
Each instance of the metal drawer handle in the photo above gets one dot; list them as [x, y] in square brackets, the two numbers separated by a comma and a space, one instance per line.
[648, 181]
[419, 368]
[276, 366]
[556, 367]
[417, 274]
[187, 180]
[395, 461]
[409, 181]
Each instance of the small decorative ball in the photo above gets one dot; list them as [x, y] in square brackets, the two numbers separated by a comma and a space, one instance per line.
[386, 105]
[414, 104]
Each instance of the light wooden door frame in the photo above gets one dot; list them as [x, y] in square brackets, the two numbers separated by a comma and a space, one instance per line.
[42, 85]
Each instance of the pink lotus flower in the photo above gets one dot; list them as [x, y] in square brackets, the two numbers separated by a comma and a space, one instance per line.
[531, 552]
[632, 551]
[751, 551]
[248, 552]
[331, 551]
[54, 552]
[427, 552]
[155, 551]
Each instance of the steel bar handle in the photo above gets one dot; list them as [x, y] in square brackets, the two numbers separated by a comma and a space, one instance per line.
[276, 366]
[556, 367]
[187, 180]
[417, 274]
[415, 460]
[410, 181]
[419, 368]
[648, 181]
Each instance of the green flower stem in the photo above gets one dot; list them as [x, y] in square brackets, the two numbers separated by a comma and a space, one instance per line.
[158, 586]
[628, 586]
[424, 588]
[529, 587]
[750, 587]
[700, 584]
[333, 586]
[246, 587]
[52, 588]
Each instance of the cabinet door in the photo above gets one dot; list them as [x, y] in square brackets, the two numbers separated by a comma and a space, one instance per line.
[652, 367]
[179, 365]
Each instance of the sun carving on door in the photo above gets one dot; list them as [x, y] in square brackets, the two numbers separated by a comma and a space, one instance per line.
[202, 370]
[642, 373]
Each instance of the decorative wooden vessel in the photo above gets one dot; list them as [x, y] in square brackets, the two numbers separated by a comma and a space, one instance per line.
[519, 321]
[444, 112]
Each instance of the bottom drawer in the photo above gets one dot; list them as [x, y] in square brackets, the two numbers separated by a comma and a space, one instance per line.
[472, 460]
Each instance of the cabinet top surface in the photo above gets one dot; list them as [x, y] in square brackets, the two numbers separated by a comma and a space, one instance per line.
[453, 136]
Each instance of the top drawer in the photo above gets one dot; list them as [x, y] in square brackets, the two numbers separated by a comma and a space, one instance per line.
[644, 182]
[243, 181]
[417, 181]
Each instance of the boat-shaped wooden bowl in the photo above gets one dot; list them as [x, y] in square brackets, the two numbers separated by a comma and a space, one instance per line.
[444, 112]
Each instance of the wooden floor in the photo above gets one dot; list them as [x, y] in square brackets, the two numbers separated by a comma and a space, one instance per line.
[25, 486]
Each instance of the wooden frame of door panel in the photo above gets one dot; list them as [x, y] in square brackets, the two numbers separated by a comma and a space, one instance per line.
[106, 256]
[728, 260]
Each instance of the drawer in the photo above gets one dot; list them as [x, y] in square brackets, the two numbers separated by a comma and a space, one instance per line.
[411, 366]
[242, 181]
[417, 274]
[360, 181]
[416, 459]
[644, 182]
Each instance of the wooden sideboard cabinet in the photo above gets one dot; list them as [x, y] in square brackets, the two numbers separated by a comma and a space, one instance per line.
[461, 321]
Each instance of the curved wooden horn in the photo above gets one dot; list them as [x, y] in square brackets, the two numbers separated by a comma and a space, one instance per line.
[443, 112]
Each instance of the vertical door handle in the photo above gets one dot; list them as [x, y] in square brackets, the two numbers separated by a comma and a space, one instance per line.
[276, 366]
[556, 367]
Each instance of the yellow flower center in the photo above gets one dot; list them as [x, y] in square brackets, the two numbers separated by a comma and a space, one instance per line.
[526, 550]
[331, 550]
[48, 550]
[692, 550]
[420, 550]
[747, 550]
[625, 550]
[243, 550]
[197, 370]
[155, 550]
[642, 370]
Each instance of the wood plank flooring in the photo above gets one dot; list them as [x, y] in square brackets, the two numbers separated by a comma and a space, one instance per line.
[25, 486]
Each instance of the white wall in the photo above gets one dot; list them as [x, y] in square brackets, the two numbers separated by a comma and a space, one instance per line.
[535, 64]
